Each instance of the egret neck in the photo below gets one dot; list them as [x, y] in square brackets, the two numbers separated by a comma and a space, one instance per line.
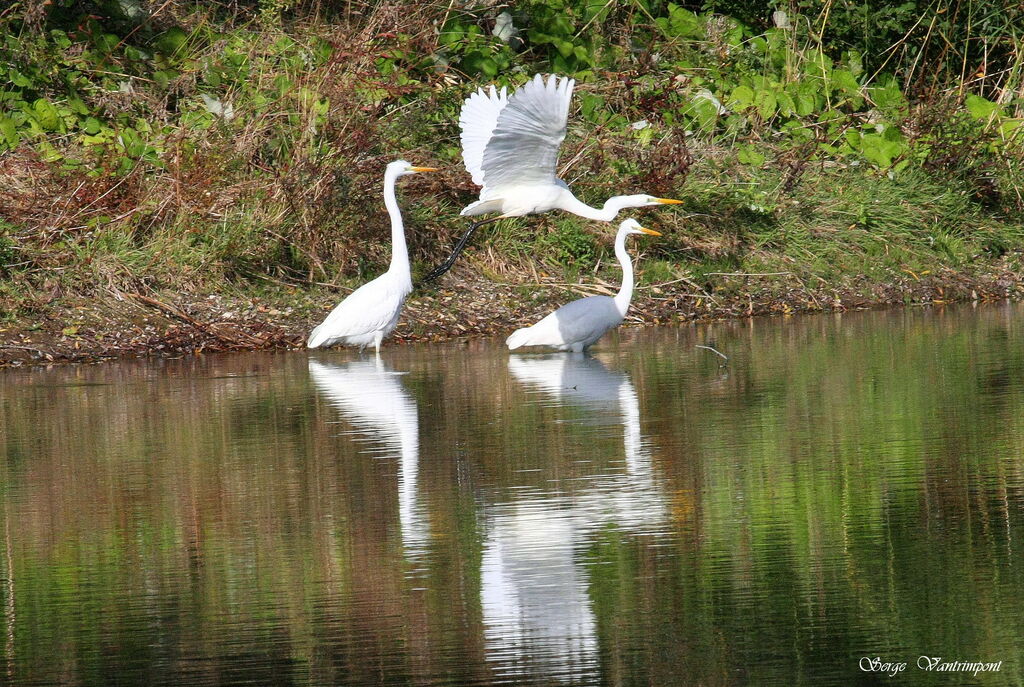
[625, 293]
[399, 251]
[612, 206]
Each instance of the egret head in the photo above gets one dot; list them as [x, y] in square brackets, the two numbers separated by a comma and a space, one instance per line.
[631, 226]
[401, 168]
[651, 200]
[640, 200]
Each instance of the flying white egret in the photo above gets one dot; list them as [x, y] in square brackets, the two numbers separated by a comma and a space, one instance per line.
[578, 324]
[510, 147]
[371, 312]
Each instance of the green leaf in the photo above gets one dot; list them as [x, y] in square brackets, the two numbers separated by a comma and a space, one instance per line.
[804, 104]
[60, 39]
[9, 132]
[172, 40]
[704, 113]
[1011, 128]
[766, 102]
[854, 62]
[592, 107]
[879, 150]
[786, 104]
[106, 42]
[19, 79]
[979, 107]
[46, 115]
[749, 155]
[77, 106]
[682, 23]
[888, 97]
[819, 64]
[91, 126]
[845, 81]
[741, 97]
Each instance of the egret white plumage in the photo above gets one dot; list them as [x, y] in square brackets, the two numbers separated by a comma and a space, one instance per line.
[578, 324]
[371, 312]
[510, 147]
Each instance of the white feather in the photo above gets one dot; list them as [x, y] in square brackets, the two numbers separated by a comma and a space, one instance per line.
[477, 119]
[370, 311]
[523, 148]
[575, 326]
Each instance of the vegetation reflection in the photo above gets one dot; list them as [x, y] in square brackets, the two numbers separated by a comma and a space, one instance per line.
[846, 486]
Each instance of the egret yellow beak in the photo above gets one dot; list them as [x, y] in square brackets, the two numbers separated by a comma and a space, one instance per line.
[423, 169]
[651, 231]
[668, 201]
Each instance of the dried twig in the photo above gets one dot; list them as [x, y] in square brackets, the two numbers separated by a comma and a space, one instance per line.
[716, 352]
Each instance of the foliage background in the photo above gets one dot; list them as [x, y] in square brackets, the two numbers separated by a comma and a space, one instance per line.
[236, 147]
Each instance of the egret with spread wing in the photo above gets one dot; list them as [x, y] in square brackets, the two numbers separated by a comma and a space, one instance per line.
[371, 312]
[510, 147]
[577, 325]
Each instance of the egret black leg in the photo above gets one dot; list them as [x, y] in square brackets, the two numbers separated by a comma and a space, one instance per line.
[447, 264]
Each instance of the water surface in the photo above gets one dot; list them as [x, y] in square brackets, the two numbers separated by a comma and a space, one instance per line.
[847, 487]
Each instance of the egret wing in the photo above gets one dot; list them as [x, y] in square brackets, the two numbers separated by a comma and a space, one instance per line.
[367, 309]
[477, 120]
[523, 148]
[586, 318]
[580, 321]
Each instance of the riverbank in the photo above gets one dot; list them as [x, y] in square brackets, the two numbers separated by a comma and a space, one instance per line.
[464, 305]
[189, 177]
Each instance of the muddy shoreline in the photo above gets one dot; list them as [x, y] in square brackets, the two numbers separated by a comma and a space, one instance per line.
[120, 325]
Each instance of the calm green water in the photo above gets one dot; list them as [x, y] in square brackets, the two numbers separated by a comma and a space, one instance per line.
[847, 488]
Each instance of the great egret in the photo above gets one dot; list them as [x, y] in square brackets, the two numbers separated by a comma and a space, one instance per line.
[510, 147]
[371, 312]
[578, 324]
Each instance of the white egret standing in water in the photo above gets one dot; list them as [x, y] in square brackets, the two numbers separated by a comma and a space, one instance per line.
[578, 324]
[510, 147]
[371, 312]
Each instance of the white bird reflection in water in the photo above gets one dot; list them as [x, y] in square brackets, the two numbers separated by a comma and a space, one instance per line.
[371, 397]
[535, 602]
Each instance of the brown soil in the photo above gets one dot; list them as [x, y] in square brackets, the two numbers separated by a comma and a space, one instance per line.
[462, 305]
